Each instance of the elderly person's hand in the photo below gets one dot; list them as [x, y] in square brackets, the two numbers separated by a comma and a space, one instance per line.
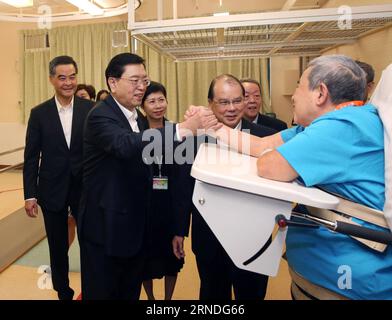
[198, 120]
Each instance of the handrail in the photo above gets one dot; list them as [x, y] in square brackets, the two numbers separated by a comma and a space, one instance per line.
[11, 167]
[11, 151]
[14, 165]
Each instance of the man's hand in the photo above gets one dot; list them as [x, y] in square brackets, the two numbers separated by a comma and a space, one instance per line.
[198, 117]
[178, 247]
[192, 110]
[31, 208]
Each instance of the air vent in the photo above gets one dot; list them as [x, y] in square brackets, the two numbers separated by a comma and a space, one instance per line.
[120, 38]
[36, 42]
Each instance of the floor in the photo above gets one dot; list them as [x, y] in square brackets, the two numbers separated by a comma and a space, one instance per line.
[25, 279]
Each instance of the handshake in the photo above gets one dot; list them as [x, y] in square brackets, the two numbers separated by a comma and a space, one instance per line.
[199, 120]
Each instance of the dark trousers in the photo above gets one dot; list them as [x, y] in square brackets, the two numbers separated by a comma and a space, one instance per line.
[56, 226]
[109, 278]
[219, 275]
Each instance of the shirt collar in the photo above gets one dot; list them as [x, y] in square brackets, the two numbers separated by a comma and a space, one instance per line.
[238, 126]
[257, 118]
[59, 106]
[130, 115]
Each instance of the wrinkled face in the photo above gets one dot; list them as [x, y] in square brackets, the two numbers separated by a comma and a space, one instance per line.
[252, 100]
[64, 81]
[228, 103]
[155, 106]
[82, 93]
[304, 102]
[130, 88]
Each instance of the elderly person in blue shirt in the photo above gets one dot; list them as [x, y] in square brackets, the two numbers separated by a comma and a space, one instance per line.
[338, 145]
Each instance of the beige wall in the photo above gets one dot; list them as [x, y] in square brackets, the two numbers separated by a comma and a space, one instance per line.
[10, 64]
[375, 49]
[284, 77]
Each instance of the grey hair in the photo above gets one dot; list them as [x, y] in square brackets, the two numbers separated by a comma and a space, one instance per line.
[345, 80]
[229, 78]
[61, 60]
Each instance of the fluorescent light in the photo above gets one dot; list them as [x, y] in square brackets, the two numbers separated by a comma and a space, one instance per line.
[87, 7]
[19, 3]
[221, 14]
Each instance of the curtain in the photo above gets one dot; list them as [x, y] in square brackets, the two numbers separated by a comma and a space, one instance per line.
[35, 81]
[188, 82]
[162, 69]
[91, 46]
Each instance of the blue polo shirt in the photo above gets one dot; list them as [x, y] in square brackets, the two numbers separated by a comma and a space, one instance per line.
[342, 152]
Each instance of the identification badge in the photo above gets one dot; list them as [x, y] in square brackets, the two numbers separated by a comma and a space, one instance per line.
[160, 183]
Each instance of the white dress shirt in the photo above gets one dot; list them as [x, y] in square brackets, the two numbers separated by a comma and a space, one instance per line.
[257, 118]
[130, 115]
[65, 114]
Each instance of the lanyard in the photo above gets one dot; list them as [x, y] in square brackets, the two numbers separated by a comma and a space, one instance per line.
[159, 162]
[356, 103]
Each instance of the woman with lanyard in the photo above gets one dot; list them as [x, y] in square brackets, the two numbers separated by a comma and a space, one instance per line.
[160, 260]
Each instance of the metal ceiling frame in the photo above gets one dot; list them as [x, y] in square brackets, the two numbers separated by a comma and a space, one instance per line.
[149, 31]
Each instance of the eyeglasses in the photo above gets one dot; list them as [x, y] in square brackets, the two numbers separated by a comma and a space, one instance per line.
[136, 82]
[225, 103]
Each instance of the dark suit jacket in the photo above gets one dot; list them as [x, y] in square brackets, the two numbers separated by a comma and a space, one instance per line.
[117, 183]
[204, 242]
[273, 123]
[50, 180]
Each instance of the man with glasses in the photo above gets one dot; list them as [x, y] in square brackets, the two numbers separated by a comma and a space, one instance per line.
[52, 172]
[253, 110]
[118, 183]
[217, 272]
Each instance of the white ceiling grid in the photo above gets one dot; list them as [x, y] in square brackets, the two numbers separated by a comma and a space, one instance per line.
[299, 32]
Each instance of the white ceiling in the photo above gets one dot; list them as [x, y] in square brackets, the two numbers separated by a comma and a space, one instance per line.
[254, 28]
[229, 41]
[57, 6]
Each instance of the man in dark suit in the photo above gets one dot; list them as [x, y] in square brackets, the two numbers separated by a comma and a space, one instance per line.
[118, 183]
[52, 173]
[253, 102]
[217, 272]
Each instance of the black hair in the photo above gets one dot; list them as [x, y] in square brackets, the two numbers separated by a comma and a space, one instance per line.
[228, 78]
[91, 91]
[368, 70]
[61, 60]
[100, 93]
[116, 66]
[152, 88]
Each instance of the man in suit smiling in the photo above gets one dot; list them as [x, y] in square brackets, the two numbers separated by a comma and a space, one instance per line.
[253, 110]
[218, 274]
[117, 182]
[52, 173]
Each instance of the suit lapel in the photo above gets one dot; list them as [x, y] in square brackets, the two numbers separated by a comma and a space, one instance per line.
[141, 121]
[54, 116]
[116, 109]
